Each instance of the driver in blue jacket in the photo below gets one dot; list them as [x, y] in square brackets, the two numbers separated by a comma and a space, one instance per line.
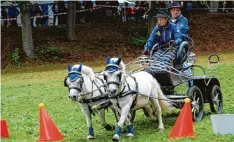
[163, 33]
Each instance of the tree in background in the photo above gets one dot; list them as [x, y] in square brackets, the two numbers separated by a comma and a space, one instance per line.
[26, 29]
[151, 19]
[71, 20]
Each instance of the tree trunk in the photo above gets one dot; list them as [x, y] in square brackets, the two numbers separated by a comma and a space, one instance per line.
[71, 20]
[26, 31]
[151, 19]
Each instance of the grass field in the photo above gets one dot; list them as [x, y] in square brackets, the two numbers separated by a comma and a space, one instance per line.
[22, 91]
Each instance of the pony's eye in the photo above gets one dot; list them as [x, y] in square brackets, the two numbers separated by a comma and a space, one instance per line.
[105, 77]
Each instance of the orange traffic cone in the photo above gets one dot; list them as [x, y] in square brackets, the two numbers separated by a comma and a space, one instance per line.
[4, 130]
[184, 124]
[48, 130]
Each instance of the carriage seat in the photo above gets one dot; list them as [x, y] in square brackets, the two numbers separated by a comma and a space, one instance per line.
[181, 55]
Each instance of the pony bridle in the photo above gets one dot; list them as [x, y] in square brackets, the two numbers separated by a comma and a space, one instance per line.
[119, 84]
[79, 89]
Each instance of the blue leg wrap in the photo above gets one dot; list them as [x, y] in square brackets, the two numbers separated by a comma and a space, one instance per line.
[91, 131]
[118, 130]
[130, 129]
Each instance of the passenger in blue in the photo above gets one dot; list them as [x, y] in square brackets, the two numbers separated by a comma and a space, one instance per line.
[182, 25]
[178, 18]
[164, 32]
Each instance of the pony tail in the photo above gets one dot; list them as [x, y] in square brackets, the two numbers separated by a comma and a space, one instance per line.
[165, 105]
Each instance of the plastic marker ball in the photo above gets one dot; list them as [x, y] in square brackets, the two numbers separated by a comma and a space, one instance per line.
[41, 105]
[187, 100]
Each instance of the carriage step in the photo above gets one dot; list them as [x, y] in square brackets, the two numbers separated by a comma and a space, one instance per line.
[176, 97]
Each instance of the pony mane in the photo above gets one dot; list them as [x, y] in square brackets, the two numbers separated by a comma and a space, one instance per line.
[122, 66]
[85, 70]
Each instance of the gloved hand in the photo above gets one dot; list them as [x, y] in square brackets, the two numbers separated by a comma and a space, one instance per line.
[146, 52]
[174, 43]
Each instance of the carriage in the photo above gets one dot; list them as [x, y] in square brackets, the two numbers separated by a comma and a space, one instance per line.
[201, 89]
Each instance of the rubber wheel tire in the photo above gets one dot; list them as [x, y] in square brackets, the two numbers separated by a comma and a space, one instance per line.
[197, 103]
[216, 100]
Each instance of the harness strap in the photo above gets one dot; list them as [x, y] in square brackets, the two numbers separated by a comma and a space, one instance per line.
[127, 93]
[99, 87]
[79, 89]
[128, 83]
[119, 95]
[123, 94]
[98, 98]
[95, 98]
[137, 93]
[91, 111]
[118, 103]
[102, 83]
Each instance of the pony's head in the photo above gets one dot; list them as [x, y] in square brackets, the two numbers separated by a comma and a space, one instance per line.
[113, 75]
[74, 81]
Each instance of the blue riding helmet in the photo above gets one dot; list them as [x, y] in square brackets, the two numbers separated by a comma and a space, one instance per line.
[73, 76]
[74, 73]
[112, 65]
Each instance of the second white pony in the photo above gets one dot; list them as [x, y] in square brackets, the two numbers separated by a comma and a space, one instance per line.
[131, 92]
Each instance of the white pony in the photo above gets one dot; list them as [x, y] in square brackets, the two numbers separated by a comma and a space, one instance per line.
[132, 92]
[88, 89]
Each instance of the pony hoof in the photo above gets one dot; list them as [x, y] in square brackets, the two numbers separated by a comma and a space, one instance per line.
[89, 137]
[130, 135]
[115, 138]
[109, 127]
[161, 130]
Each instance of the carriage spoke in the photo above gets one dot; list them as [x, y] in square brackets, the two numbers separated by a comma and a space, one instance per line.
[194, 113]
[198, 100]
[194, 96]
[216, 99]
[216, 96]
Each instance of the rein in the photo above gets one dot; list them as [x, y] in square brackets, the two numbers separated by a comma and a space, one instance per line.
[88, 93]
[103, 96]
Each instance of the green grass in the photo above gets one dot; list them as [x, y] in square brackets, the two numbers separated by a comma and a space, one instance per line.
[21, 92]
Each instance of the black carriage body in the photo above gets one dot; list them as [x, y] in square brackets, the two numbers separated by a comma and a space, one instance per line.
[206, 84]
[201, 89]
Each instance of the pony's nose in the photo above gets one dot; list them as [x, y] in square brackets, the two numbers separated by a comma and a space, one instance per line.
[72, 97]
[113, 91]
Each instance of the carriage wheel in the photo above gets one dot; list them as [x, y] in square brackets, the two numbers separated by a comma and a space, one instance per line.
[216, 102]
[197, 103]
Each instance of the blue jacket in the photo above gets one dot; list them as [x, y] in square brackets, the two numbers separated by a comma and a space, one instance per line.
[182, 24]
[13, 12]
[163, 35]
